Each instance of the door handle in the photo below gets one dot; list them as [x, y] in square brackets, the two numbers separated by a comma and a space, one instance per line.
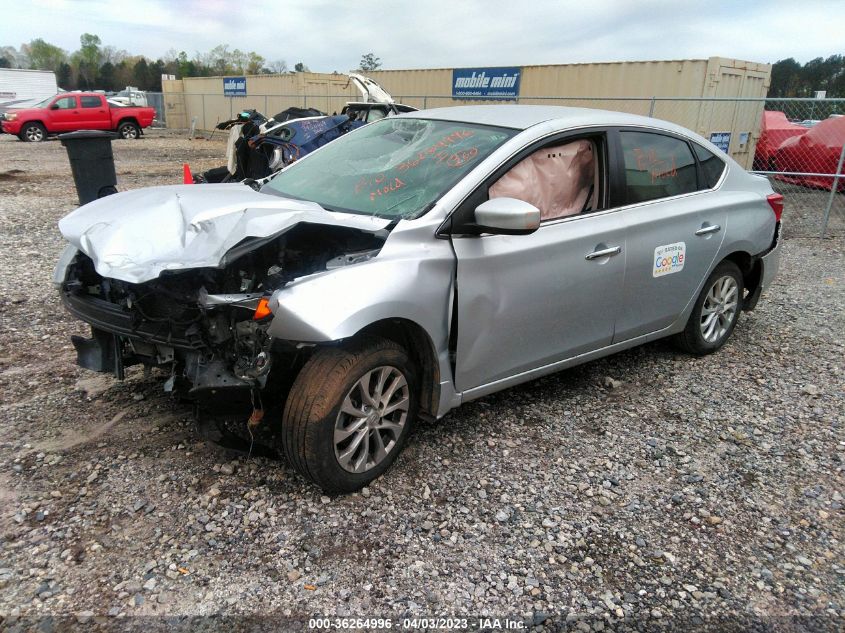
[708, 229]
[605, 252]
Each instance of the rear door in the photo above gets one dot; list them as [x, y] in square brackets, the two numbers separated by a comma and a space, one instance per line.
[64, 114]
[95, 113]
[675, 226]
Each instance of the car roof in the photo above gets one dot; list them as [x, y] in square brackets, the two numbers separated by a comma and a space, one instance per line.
[522, 117]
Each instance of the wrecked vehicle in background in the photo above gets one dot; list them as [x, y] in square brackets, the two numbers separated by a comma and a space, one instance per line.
[420, 262]
[258, 146]
[253, 153]
[813, 159]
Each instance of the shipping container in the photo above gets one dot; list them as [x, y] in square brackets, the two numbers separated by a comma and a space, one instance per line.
[720, 98]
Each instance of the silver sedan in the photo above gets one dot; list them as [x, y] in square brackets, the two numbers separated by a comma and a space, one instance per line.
[418, 263]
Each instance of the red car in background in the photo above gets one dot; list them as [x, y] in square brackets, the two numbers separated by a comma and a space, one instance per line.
[815, 153]
[775, 128]
[73, 111]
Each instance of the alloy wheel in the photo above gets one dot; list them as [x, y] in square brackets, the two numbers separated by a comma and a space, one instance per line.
[371, 419]
[719, 309]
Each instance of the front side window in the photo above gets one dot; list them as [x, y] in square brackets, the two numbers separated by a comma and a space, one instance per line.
[394, 168]
[656, 166]
[90, 102]
[560, 180]
[66, 103]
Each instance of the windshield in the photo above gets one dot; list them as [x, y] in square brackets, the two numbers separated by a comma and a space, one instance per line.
[394, 168]
[43, 104]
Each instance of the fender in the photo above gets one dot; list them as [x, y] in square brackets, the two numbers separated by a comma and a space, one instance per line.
[337, 304]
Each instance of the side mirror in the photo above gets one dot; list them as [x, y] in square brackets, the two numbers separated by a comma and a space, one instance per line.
[507, 216]
[55, 106]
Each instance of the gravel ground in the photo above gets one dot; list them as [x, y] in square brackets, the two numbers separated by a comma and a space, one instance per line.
[649, 490]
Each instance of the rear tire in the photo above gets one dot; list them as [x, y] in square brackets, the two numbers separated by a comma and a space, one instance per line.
[33, 133]
[350, 412]
[715, 312]
[129, 130]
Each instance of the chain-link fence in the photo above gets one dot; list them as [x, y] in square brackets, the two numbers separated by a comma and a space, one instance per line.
[796, 143]
[801, 148]
[156, 100]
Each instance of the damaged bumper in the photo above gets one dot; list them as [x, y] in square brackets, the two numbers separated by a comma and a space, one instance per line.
[195, 295]
[771, 260]
[218, 347]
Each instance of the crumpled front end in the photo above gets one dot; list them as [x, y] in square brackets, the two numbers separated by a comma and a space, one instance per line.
[208, 326]
[208, 342]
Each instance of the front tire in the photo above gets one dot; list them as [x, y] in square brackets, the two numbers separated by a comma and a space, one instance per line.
[349, 413]
[33, 133]
[128, 130]
[715, 312]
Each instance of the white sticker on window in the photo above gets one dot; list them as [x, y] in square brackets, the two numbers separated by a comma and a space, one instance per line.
[669, 259]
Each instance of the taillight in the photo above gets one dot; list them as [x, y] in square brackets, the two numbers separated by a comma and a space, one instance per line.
[776, 202]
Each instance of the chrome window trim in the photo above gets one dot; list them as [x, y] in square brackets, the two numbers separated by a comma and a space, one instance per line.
[607, 128]
[690, 140]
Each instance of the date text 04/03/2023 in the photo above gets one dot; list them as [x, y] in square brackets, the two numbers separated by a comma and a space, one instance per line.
[416, 623]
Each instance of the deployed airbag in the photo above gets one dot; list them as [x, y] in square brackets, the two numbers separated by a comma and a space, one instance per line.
[557, 180]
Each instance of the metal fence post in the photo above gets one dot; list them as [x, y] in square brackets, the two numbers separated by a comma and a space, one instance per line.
[425, 102]
[833, 190]
[203, 112]
[651, 108]
[265, 105]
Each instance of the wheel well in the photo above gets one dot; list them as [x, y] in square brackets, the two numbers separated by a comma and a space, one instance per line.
[419, 346]
[25, 123]
[128, 120]
[750, 268]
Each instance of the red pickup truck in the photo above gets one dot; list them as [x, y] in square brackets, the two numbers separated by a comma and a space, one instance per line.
[76, 111]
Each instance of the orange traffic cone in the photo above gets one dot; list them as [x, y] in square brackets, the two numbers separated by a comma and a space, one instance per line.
[187, 178]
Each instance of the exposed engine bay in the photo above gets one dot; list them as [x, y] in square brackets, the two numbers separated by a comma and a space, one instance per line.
[207, 325]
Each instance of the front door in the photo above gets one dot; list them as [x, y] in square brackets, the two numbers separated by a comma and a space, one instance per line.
[526, 301]
[64, 114]
[529, 300]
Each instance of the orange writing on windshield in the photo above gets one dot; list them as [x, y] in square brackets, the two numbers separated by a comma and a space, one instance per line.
[390, 187]
[444, 142]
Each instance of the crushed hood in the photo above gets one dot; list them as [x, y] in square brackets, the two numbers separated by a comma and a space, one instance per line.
[136, 235]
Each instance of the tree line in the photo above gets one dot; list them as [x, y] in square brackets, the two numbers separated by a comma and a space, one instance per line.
[97, 67]
[792, 79]
[94, 66]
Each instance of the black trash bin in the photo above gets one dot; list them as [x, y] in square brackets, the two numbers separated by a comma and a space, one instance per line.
[92, 163]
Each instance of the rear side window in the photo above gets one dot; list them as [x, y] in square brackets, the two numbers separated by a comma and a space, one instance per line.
[90, 102]
[711, 167]
[656, 166]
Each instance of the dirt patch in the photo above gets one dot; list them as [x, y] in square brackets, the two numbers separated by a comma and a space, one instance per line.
[11, 174]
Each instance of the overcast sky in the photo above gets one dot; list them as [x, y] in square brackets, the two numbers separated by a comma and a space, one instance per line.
[330, 36]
